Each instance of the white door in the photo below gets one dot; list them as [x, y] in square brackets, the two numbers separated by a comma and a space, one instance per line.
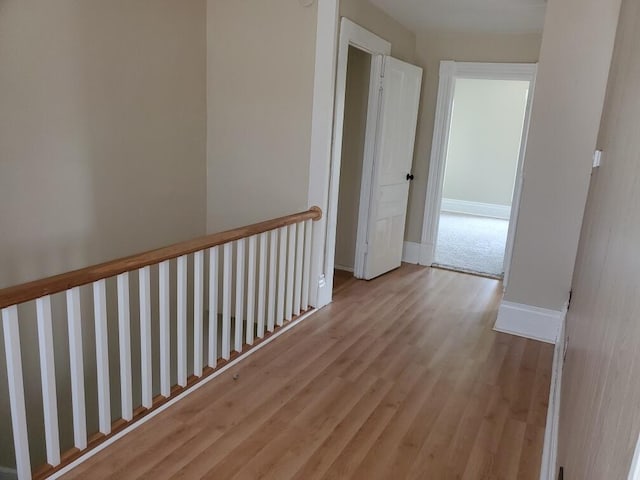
[393, 158]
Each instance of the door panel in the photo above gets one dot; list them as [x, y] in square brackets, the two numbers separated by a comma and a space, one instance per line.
[393, 158]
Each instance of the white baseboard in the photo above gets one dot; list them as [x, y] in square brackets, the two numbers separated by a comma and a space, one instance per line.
[476, 208]
[529, 322]
[411, 253]
[549, 468]
[416, 254]
[343, 268]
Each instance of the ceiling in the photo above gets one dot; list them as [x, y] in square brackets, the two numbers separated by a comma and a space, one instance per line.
[512, 16]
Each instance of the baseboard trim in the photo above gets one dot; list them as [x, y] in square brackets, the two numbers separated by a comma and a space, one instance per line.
[411, 253]
[343, 268]
[416, 253]
[530, 322]
[476, 208]
[549, 467]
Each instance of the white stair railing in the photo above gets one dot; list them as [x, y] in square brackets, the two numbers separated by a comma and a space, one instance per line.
[263, 283]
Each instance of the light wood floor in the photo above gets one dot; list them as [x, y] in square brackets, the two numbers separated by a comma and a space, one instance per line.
[401, 377]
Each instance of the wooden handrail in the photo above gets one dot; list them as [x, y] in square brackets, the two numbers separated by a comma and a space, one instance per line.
[59, 283]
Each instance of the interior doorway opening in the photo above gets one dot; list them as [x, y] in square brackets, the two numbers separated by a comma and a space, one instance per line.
[351, 165]
[475, 176]
[480, 173]
[376, 109]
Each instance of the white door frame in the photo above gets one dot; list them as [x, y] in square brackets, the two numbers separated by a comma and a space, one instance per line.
[449, 72]
[356, 36]
[321, 134]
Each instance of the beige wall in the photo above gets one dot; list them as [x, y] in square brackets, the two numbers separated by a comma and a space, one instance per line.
[367, 15]
[102, 148]
[572, 76]
[261, 58]
[599, 422]
[102, 131]
[355, 122]
[431, 48]
[484, 142]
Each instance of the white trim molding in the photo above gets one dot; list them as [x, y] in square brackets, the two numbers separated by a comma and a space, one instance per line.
[549, 468]
[478, 209]
[321, 134]
[411, 253]
[416, 253]
[344, 268]
[530, 322]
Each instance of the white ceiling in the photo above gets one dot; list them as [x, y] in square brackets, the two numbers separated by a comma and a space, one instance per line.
[512, 16]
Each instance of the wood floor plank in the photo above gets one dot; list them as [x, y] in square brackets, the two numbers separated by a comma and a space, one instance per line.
[306, 432]
[354, 452]
[529, 468]
[378, 463]
[400, 377]
[333, 445]
[510, 450]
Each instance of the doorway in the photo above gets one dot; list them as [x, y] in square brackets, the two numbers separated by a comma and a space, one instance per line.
[475, 176]
[351, 165]
[377, 100]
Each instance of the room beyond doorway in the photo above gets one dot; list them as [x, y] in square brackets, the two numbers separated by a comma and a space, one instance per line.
[472, 243]
[480, 173]
[475, 179]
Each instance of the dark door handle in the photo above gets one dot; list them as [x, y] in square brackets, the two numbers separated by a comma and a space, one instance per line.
[409, 176]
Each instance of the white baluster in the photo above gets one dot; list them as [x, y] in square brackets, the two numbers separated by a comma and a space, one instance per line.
[226, 302]
[297, 291]
[48, 378]
[251, 289]
[16, 390]
[74, 324]
[213, 307]
[165, 328]
[273, 269]
[239, 294]
[124, 339]
[146, 372]
[262, 280]
[288, 310]
[282, 262]
[306, 270]
[198, 266]
[102, 356]
[182, 321]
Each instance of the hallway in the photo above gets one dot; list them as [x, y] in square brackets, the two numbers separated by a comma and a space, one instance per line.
[401, 377]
